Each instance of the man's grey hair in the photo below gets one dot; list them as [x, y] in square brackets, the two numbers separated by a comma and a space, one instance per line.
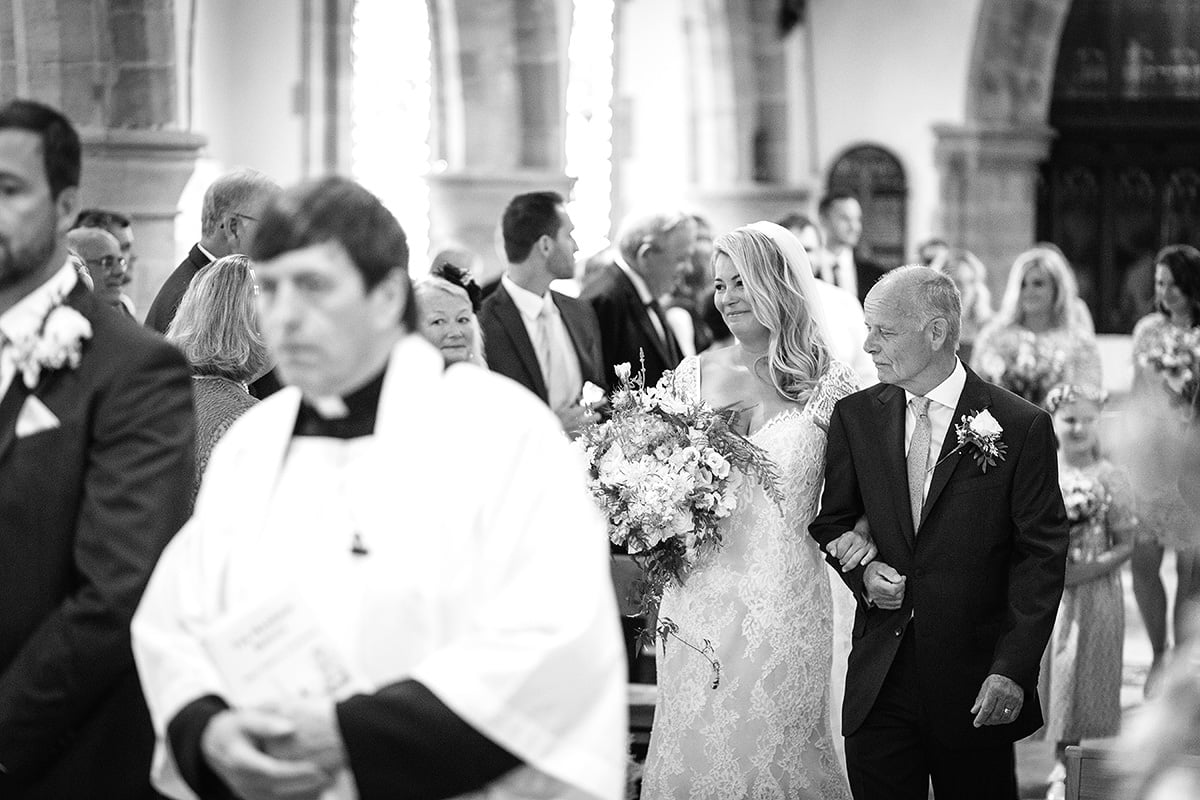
[930, 294]
[650, 228]
[229, 193]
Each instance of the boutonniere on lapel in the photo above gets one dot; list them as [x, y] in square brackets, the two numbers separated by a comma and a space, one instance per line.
[980, 432]
[56, 344]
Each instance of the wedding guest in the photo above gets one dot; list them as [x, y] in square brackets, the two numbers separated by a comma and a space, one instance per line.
[216, 328]
[446, 315]
[545, 341]
[840, 215]
[1159, 411]
[651, 248]
[1035, 341]
[762, 600]
[96, 436]
[847, 328]
[970, 276]
[956, 609]
[100, 251]
[682, 304]
[121, 227]
[1081, 314]
[459, 641]
[230, 212]
[1084, 657]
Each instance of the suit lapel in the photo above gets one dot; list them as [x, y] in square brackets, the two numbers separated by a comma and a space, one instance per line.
[577, 330]
[641, 318]
[974, 398]
[891, 400]
[14, 399]
[510, 319]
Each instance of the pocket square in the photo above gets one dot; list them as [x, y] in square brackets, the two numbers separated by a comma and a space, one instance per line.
[35, 418]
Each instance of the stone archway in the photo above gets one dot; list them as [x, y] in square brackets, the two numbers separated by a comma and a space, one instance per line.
[989, 164]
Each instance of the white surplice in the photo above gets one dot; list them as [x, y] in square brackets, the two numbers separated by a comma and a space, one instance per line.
[486, 576]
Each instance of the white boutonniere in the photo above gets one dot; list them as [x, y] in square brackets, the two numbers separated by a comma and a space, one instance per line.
[56, 344]
[979, 431]
[591, 396]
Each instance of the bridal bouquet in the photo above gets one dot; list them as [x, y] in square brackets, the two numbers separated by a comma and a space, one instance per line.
[1028, 368]
[1176, 357]
[1087, 502]
[665, 470]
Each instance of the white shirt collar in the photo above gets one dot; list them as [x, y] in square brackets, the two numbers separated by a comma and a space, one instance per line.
[642, 289]
[25, 317]
[948, 391]
[211, 258]
[529, 304]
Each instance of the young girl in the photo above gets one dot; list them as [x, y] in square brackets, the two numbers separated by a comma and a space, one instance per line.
[1084, 655]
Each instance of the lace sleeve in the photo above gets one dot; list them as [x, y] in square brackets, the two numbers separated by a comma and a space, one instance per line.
[684, 380]
[839, 381]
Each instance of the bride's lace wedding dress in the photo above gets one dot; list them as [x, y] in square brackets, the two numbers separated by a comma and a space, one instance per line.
[763, 600]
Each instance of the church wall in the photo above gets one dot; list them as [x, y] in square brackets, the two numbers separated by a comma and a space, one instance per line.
[886, 73]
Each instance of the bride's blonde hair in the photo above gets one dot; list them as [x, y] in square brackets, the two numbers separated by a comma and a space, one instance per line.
[797, 354]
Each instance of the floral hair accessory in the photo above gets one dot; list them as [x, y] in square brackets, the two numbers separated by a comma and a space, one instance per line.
[462, 279]
[1065, 393]
[980, 432]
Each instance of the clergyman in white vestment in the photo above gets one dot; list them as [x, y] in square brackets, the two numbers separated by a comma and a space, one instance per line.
[395, 583]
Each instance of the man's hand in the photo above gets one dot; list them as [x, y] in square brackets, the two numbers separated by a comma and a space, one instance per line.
[854, 547]
[315, 735]
[999, 701]
[885, 586]
[233, 744]
[575, 418]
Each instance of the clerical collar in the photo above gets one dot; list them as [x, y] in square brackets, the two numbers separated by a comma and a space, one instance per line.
[341, 417]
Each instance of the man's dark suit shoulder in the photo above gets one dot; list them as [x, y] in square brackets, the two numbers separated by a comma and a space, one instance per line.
[166, 302]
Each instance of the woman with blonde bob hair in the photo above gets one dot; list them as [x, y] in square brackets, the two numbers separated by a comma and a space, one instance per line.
[1042, 335]
[769, 576]
[217, 329]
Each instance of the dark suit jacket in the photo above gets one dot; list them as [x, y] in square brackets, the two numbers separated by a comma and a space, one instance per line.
[866, 273]
[510, 352]
[166, 302]
[984, 572]
[85, 510]
[625, 327]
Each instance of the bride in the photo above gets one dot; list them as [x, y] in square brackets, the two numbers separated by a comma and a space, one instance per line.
[763, 599]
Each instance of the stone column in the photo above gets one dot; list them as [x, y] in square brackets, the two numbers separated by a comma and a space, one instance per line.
[110, 66]
[989, 175]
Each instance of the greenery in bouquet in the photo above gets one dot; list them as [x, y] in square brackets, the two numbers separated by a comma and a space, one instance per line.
[1087, 501]
[1176, 358]
[1028, 368]
[665, 470]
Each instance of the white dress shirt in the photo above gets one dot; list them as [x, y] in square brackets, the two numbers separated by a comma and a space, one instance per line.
[530, 305]
[943, 399]
[847, 273]
[644, 293]
[26, 317]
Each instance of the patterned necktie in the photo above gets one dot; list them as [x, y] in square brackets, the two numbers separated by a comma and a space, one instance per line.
[918, 458]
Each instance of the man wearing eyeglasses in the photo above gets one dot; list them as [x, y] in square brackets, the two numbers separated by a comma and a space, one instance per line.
[228, 217]
[121, 227]
[101, 252]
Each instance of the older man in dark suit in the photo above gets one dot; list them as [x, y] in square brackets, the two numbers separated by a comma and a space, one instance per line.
[544, 340]
[955, 612]
[651, 248]
[96, 438]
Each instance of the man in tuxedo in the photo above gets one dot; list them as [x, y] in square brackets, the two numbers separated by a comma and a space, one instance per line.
[955, 612]
[96, 439]
[841, 220]
[545, 341]
[625, 295]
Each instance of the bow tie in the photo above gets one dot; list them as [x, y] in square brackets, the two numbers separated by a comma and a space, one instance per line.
[360, 405]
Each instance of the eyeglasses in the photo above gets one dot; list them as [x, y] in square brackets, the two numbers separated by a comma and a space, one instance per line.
[110, 263]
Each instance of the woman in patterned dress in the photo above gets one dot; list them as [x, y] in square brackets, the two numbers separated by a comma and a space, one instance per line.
[763, 598]
[1159, 416]
[1042, 335]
